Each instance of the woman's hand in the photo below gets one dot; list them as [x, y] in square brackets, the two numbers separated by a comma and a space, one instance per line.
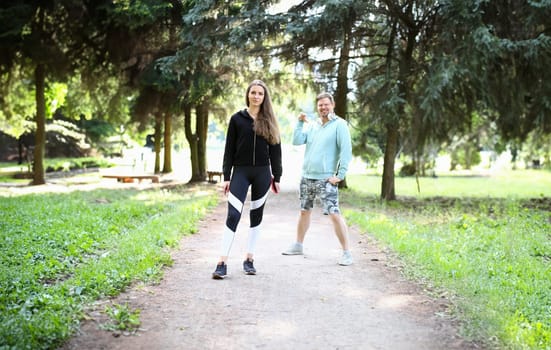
[226, 187]
[275, 187]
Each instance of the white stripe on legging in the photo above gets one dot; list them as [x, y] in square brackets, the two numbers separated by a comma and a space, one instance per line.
[227, 241]
[235, 202]
[259, 202]
[254, 232]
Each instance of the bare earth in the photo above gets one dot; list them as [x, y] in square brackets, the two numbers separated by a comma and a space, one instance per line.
[294, 302]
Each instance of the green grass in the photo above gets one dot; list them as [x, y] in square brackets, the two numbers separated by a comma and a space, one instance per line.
[515, 184]
[491, 251]
[63, 165]
[485, 240]
[123, 318]
[59, 252]
[7, 171]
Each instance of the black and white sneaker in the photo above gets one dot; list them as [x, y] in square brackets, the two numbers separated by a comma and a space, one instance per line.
[221, 271]
[248, 267]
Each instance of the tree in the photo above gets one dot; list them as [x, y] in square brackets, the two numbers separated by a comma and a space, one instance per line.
[52, 39]
[135, 38]
[158, 97]
[327, 36]
[397, 54]
[209, 59]
[16, 102]
[37, 47]
[493, 57]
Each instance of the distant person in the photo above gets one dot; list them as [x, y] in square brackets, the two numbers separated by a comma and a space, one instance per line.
[252, 158]
[150, 141]
[327, 155]
[25, 145]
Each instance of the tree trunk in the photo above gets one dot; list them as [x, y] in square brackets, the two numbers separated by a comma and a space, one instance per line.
[341, 101]
[158, 133]
[40, 118]
[167, 165]
[202, 114]
[192, 139]
[468, 156]
[341, 105]
[387, 187]
[405, 61]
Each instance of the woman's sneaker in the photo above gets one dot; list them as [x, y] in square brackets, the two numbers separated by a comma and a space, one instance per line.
[248, 267]
[220, 272]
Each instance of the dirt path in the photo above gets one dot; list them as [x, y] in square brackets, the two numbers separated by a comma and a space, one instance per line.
[294, 302]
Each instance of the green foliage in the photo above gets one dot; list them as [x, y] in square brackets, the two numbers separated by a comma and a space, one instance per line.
[62, 251]
[17, 102]
[138, 14]
[55, 97]
[123, 318]
[490, 255]
[99, 98]
[426, 65]
[367, 145]
[504, 49]
[408, 170]
[97, 130]
[466, 155]
[220, 42]
[537, 147]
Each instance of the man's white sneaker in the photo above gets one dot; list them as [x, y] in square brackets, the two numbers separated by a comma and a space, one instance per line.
[346, 259]
[294, 249]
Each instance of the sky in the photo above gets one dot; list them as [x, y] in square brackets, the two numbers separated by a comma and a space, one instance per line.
[283, 6]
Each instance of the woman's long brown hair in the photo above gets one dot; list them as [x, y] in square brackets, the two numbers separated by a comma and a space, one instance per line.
[265, 124]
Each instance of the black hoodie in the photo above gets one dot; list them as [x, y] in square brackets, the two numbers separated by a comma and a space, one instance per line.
[244, 147]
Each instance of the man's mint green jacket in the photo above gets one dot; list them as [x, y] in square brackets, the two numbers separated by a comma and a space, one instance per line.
[328, 147]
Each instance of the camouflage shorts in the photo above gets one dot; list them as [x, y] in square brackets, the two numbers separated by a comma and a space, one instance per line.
[328, 195]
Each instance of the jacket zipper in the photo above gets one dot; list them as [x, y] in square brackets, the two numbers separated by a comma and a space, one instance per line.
[254, 149]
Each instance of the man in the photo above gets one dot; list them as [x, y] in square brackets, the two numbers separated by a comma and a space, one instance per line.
[326, 157]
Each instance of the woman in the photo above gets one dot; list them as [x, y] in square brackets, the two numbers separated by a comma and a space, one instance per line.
[252, 157]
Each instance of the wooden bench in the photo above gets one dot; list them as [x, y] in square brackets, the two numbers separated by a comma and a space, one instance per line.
[212, 174]
[130, 178]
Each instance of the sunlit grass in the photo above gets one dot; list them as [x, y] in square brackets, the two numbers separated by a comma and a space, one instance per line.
[55, 165]
[509, 184]
[480, 239]
[61, 251]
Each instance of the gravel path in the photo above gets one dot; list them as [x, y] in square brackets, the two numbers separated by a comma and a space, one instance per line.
[294, 302]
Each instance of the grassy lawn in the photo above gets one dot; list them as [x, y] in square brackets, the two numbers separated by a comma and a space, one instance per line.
[511, 184]
[60, 165]
[485, 241]
[62, 251]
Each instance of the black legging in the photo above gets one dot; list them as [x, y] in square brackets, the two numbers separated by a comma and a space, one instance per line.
[258, 178]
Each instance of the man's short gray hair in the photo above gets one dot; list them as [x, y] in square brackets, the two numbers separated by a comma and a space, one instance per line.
[325, 95]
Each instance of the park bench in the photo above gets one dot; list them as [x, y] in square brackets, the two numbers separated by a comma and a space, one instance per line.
[126, 178]
[212, 174]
